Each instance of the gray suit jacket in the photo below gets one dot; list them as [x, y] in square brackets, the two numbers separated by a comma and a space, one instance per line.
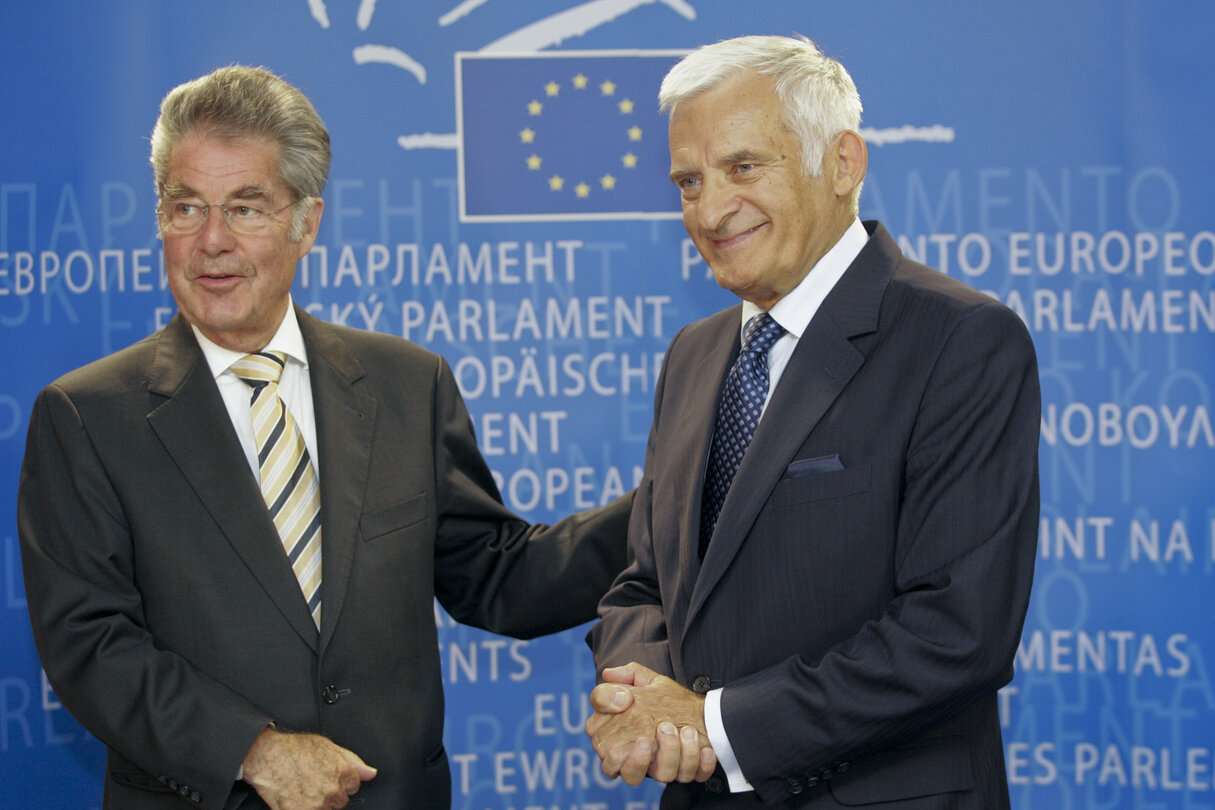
[163, 607]
[863, 594]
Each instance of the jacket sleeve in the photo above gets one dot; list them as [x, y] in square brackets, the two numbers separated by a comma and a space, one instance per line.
[632, 625]
[492, 569]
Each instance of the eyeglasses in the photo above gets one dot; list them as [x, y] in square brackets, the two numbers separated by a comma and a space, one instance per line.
[184, 217]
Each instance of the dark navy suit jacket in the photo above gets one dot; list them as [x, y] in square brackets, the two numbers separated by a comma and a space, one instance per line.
[862, 597]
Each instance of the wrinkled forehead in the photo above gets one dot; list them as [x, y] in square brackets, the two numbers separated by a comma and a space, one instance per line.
[729, 116]
[203, 163]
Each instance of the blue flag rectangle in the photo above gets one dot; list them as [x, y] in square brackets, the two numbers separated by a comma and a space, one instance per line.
[563, 135]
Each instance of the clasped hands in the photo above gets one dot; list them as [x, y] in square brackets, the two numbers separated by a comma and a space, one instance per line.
[646, 724]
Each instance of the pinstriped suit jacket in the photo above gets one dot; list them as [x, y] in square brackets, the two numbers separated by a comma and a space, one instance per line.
[860, 613]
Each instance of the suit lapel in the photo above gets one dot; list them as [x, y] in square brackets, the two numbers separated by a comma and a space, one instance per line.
[345, 424]
[194, 427]
[818, 371]
[697, 415]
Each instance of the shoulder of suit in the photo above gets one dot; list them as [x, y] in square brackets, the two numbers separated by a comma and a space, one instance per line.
[373, 348]
[931, 303]
[728, 318]
[931, 286]
[125, 369]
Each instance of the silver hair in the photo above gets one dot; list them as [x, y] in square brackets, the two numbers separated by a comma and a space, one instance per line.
[238, 102]
[819, 98]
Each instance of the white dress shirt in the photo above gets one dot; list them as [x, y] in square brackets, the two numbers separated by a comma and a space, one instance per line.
[793, 312]
[294, 387]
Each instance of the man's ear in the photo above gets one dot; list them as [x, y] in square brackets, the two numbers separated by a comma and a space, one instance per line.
[312, 224]
[851, 162]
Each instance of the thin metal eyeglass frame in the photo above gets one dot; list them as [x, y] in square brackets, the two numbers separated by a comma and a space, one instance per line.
[227, 213]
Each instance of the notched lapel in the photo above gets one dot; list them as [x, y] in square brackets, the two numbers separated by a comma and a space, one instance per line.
[819, 370]
[696, 413]
[345, 425]
[193, 425]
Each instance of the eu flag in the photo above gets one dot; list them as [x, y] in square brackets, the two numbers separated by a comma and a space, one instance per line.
[563, 135]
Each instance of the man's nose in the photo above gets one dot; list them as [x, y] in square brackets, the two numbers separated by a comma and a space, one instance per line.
[216, 235]
[717, 203]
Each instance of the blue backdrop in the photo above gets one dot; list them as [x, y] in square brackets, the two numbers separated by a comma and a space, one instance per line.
[498, 195]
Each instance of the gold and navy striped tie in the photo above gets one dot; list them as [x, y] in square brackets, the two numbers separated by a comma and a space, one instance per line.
[289, 481]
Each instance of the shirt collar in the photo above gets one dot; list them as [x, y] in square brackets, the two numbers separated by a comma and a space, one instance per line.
[288, 339]
[795, 309]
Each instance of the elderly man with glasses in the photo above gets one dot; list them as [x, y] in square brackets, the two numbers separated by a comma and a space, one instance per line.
[234, 531]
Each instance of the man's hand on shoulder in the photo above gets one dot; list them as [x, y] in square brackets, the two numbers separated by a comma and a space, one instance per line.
[303, 771]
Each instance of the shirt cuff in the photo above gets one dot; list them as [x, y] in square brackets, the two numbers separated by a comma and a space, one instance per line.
[721, 744]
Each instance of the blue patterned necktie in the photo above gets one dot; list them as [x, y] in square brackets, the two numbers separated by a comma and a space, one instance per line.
[288, 479]
[742, 402]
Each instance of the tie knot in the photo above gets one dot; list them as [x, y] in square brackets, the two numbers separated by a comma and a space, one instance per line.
[261, 368]
[762, 331]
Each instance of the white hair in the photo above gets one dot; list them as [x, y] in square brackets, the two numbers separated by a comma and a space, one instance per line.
[819, 98]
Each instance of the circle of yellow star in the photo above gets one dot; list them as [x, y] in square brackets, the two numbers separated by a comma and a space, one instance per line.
[629, 161]
[626, 106]
[527, 136]
[556, 182]
[607, 182]
[634, 133]
[582, 190]
[533, 162]
[608, 88]
[580, 82]
[534, 108]
[552, 89]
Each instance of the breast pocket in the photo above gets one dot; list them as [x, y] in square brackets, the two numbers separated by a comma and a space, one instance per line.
[802, 486]
[394, 520]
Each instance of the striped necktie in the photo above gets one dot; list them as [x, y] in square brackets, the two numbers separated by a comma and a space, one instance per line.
[288, 480]
[742, 402]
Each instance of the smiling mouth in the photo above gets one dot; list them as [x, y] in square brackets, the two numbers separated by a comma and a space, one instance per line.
[217, 280]
[217, 275]
[730, 241]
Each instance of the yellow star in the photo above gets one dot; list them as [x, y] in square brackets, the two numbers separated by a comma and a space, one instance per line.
[607, 182]
[534, 108]
[533, 163]
[552, 89]
[608, 88]
[582, 190]
[556, 182]
[527, 136]
[634, 133]
[626, 107]
[629, 161]
[580, 82]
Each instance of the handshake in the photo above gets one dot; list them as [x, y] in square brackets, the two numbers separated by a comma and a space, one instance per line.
[646, 724]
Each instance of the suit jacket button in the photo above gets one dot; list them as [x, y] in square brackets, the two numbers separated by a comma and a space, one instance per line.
[701, 685]
[714, 785]
[811, 781]
[183, 790]
[827, 773]
[195, 797]
[330, 694]
[842, 768]
[795, 787]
